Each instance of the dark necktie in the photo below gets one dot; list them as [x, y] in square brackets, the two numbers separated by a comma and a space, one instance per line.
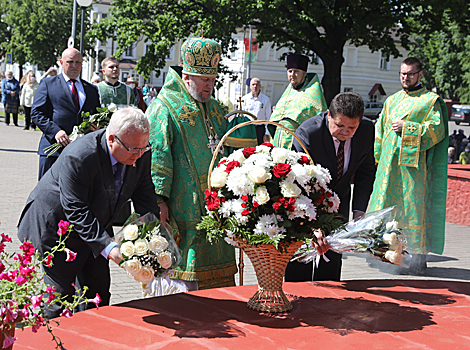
[76, 101]
[118, 178]
[340, 159]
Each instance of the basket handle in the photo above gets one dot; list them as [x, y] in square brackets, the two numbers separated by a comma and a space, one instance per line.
[241, 112]
[219, 146]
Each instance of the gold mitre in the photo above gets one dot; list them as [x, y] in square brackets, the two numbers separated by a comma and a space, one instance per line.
[201, 57]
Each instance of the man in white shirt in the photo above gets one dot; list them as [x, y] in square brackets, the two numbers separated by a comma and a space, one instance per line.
[259, 105]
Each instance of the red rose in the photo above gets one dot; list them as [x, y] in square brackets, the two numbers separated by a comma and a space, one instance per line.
[320, 200]
[281, 170]
[243, 205]
[304, 160]
[255, 204]
[231, 165]
[322, 190]
[245, 198]
[267, 144]
[330, 204]
[276, 205]
[245, 212]
[328, 194]
[249, 151]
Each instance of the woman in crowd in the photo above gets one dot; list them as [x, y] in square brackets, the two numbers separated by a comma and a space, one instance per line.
[10, 97]
[29, 87]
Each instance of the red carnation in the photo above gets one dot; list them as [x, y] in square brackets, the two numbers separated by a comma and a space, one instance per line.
[243, 205]
[281, 170]
[304, 160]
[320, 200]
[330, 204]
[249, 151]
[245, 198]
[222, 162]
[255, 204]
[267, 144]
[322, 190]
[231, 165]
[328, 194]
[245, 212]
[276, 205]
[212, 200]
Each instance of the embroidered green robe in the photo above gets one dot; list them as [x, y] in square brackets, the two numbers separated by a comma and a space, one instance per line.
[294, 107]
[412, 166]
[180, 163]
[121, 95]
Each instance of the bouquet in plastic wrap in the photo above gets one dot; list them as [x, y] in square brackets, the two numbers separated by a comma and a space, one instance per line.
[148, 249]
[377, 233]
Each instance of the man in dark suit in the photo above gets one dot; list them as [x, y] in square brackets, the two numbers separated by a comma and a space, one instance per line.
[91, 180]
[342, 141]
[59, 103]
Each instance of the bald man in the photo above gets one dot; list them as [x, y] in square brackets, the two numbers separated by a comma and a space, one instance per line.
[58, 106]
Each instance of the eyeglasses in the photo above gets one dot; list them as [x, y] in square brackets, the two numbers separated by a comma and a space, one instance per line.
[134, 150]
[409, 75]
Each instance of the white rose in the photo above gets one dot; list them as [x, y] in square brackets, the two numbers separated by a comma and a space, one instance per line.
[397, 246]
[112, 107]
[164, 259]
[127, 249]
[132, 266]
[145, 275]
[258, 175]
[279, 155]
[131, 232]
[288, 189]
[218, 178]
[237, 155]
[158, 244]
[141, 247]
[392, 225]
[263, 149]
[390, 238]
[261, 195]
[395, 257]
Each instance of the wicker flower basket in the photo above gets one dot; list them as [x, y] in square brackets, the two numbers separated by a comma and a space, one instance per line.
[268, 262]
[270, 265]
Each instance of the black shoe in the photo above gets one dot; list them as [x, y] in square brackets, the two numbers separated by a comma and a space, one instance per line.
[16, 125]
[25, 128]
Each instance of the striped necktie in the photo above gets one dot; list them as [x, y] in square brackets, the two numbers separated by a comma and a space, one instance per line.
[340, 159]
[76, 101]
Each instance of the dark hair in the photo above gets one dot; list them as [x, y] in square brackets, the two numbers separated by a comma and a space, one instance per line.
[410, 61]
[349, 104]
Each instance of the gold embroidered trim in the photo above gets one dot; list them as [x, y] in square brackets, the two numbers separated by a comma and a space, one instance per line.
[161, 169]
[239, 143]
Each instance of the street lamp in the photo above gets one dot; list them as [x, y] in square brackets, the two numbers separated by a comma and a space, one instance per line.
[83, 4]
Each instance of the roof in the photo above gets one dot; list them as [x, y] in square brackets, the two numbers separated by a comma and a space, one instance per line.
[376, 87]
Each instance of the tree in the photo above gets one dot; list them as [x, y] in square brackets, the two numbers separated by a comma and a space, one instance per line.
[38, 30]
[320, 27]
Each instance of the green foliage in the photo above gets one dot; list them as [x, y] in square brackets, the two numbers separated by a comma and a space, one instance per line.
[36, 30]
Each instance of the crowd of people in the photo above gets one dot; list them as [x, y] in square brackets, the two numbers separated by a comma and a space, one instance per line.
[397, 162]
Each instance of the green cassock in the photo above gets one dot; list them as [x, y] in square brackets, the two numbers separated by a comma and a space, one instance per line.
[121, 95]
[294, 107]
[180, 164]
[412, 166]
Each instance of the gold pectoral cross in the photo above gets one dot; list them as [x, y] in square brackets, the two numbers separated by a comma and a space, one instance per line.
[188, 115]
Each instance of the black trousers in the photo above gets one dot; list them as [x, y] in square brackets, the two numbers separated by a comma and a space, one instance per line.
[260, 131]
[15, 118]
[326, 271]
[45, 163]
[27, 118]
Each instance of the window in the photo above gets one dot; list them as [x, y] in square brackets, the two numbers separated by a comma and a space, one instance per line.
[350, 56]
[384, 61]
[348, 89]
[171, 55]
[374, 98]
[130, 52]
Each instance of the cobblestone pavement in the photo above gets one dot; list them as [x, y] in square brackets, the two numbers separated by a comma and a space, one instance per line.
[18, 171]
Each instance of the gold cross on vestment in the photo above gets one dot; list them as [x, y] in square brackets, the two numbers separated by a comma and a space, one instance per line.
[411, 128]
[188, 115]
[240, 101]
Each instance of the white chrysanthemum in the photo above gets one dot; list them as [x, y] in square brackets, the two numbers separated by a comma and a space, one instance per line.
[261, 195]
[321, 174]
[237, 155]
[242, 220]
[239, 183]
[236, 205]
[289, 189]
[279, 155]
[293, 158]
[260, 159]
[268, 225]
[303, 208]
[336, 202]
[301, 174]
[218, 178]
[226, 209]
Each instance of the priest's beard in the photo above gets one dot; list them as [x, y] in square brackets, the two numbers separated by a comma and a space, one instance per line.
[192, 89]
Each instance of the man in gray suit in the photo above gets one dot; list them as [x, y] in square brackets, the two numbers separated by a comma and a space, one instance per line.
[84, 187]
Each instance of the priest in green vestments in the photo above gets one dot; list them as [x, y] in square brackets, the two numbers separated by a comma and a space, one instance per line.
[111, 89]
[186, 124]
[302, 100]
[411, 139]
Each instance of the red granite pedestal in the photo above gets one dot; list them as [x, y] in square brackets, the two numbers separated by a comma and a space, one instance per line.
[369, 314]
